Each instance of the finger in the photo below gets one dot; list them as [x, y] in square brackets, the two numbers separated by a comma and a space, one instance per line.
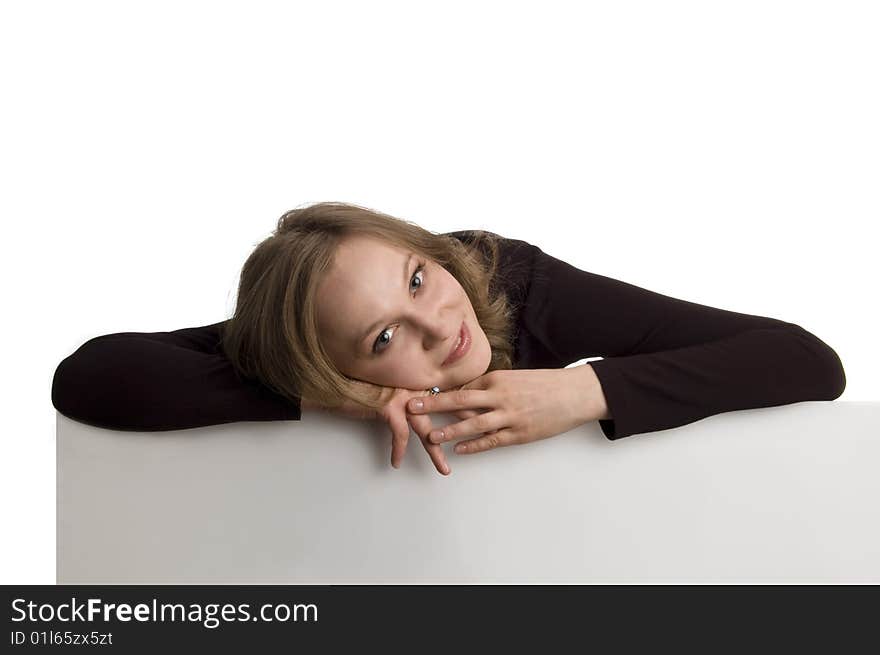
[451, 401]
[461, 413]
[422, 425]
[476, 425]
[423, 432]
[489, 441]
[399, 436]
[435, 452]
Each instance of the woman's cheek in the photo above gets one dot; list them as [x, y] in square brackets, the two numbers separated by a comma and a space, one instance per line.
[401, 375]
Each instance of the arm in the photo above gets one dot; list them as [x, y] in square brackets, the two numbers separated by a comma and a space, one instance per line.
[590, 387]
[668, 362]
[160, 381]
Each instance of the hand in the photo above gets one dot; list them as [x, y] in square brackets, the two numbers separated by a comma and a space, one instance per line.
[393, 412]
[518, 406]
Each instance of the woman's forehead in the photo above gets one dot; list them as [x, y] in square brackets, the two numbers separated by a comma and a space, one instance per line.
[368, 244]
[362, 281]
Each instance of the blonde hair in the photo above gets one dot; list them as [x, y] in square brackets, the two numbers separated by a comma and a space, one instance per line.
[273, 336]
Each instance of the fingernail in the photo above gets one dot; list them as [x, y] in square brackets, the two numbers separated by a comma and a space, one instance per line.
[416, 404]
[437, 437]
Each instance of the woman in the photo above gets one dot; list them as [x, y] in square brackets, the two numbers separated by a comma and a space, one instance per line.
[354, 311]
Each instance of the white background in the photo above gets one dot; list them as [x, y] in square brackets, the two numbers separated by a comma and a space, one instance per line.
[720, 152]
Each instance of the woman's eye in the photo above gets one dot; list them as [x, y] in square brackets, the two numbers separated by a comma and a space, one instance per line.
[420, 269]
[380, 344]
[378, 347]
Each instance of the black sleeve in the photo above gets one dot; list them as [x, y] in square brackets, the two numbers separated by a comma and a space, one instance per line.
[668, 362]
[151, 381]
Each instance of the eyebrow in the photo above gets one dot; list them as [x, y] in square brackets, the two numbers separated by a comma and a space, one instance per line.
[375, 326]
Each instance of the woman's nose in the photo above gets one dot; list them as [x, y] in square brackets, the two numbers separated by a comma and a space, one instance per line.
[436, 330]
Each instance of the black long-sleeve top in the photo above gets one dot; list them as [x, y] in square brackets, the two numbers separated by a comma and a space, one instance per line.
[667, 362]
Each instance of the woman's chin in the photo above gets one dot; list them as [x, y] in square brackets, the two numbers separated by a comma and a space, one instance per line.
[458, 377]
[466, 376]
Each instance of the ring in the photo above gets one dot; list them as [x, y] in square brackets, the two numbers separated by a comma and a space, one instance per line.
[434, 391]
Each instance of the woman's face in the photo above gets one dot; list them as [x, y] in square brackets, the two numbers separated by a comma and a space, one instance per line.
[391, 317]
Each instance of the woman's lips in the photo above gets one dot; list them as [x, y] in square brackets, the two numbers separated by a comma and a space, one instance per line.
[462, 349]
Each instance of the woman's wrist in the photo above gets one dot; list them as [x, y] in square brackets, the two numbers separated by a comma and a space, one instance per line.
[591, 398]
